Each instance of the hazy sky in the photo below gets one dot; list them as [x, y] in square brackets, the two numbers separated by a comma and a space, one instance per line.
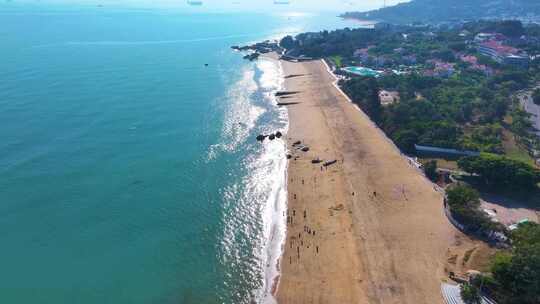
[264, 5]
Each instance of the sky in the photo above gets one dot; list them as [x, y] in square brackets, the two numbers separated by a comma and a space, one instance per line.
[229, 5]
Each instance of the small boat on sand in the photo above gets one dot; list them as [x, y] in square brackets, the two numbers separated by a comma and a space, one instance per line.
[329, 163]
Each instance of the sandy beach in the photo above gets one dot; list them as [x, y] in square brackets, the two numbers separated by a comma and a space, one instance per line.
[367, 229]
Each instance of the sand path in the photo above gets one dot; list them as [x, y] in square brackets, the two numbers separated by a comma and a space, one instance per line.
[388, 247]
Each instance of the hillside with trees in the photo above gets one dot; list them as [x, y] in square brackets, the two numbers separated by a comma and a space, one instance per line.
[435, 11]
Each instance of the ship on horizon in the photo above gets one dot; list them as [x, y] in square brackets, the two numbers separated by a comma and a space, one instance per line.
[195, 2]
[281, 2]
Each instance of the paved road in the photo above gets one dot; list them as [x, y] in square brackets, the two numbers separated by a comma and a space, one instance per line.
[533, 109]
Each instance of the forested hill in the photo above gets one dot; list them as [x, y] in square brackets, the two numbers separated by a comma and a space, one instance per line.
[448, 10]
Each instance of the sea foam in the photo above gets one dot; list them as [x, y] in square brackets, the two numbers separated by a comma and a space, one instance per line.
[254, 220]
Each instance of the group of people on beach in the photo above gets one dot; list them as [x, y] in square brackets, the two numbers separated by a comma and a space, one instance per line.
[299, 242]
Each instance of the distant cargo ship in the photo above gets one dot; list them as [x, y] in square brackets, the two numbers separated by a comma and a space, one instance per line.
[281, 2]
[195, 2]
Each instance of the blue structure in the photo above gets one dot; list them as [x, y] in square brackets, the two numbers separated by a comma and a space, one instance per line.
[451, 152]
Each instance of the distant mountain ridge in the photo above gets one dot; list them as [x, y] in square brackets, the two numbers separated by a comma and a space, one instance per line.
[448, 10]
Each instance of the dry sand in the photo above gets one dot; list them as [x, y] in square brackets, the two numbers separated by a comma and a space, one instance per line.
[388, 247]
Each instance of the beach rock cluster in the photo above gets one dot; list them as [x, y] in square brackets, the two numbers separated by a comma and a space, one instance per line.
[252, 56]
[271, 136]
[260, 47]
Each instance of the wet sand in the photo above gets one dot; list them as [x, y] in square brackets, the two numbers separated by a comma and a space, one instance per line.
[367, 229]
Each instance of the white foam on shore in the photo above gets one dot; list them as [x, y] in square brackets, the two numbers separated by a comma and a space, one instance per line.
[255, 206]
[241, 115]
[274, 217]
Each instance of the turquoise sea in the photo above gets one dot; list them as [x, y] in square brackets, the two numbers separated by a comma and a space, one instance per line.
[129, 170]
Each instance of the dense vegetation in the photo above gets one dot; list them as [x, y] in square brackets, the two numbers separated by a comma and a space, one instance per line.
[499, 171]
[448, 10]
[470, 294]
[516, 274]
[464, 203]
[325, 44]
[430, 169]
[536, 96]
[509, 28]
[463, 111]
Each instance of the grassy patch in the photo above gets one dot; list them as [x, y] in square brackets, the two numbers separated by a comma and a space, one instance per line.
[441, 163]
[513, 150]
[337, 61]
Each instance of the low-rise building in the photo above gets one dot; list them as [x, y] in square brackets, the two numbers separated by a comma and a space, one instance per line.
[473, 61]
[483, 37]
[516, 60]
[440, 69]
[362, 54]
[503, 54]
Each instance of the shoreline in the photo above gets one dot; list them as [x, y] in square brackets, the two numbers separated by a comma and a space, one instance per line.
[323, 258]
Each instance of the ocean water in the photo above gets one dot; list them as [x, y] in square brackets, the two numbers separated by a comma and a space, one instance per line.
[129, 170]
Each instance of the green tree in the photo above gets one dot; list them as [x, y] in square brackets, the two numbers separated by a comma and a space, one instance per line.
[430, 168]
[374, 106]
[405, 140]
[536, 96]
[445, 55]
[501, 171]
[287, 42]
[511, 28]
[470, 294]
[521, 123]
[464, 204]
[518, 271]
[458, 46]
[461, 195]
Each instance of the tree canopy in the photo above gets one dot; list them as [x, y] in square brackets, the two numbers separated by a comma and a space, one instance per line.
[470, 294]
[464, 204]
[518, 271]
[536, 96]
[498, 170]
[430, 168]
